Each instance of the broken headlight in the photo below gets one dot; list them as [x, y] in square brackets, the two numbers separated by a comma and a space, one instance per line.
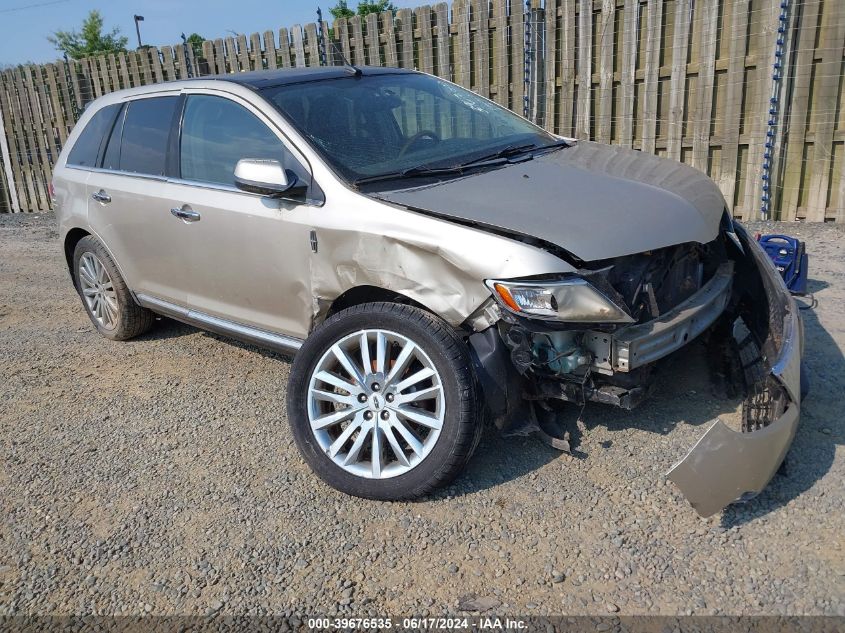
[572, 299]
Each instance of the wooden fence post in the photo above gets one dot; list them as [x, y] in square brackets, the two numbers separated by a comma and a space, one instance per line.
[14, 204]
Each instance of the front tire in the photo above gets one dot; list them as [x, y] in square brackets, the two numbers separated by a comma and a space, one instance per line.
[383, 402]
[107, 300]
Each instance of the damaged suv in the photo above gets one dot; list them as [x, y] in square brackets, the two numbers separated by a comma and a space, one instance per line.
[431, 259]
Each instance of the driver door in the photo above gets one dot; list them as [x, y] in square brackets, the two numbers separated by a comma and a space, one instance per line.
[248, 254]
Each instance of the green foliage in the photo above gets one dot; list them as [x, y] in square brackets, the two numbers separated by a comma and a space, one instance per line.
[365, 8]
[90, 40]
[195, 41]
[342, 10]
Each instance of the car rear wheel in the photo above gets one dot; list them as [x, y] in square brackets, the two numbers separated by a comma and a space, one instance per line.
[104, 294]
[383, 402]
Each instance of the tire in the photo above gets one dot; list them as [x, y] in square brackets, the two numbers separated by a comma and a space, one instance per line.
[120, 318]
[450, 393]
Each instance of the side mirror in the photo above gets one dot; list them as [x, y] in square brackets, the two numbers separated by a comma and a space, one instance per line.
[267, 178]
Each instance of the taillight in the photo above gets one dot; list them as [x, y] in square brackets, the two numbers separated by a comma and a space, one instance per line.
[52, 191]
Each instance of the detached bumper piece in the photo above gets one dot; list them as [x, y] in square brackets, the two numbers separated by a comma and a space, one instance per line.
[725, 466]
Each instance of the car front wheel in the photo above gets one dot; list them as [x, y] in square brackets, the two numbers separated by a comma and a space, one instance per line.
[383, 402]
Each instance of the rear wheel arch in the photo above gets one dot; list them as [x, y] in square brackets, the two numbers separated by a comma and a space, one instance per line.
[71, 240]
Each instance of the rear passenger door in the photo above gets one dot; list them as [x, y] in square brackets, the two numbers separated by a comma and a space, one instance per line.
[129, 200]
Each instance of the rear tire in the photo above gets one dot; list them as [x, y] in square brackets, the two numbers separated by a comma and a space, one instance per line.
[394, 402]
[104, 294]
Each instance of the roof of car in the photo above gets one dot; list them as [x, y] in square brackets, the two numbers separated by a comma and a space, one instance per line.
[259, 79]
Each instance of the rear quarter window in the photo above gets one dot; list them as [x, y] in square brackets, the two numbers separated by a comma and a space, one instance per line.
[86, 150]
[146, 130]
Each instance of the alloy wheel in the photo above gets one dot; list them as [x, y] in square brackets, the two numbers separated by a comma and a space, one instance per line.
[98, 290]
[376, 404]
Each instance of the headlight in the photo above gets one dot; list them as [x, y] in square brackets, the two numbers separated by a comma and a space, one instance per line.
[574, 300]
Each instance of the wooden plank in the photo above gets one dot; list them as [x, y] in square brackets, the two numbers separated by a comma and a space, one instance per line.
[426, 46]
[284, 48]
[313, 48]
[17, 142]
[180, 62]
[441, 19]
[707, 14]
[517, 29]
[391, 54]
[481, 41]
[767, 22]
[373, 54]
[605, 45]
[585, 68]
[406, 32]
[155, 60]
[358, 40]
[270, 49]
[677, 85]
[58, 114]
[219, 57]
[44, 120]
[567, 67]
[243, 53]
[341, 29]
[732, 112]
[134, 69]
[460, 18]
[550, 67]
[298, 45]
[5, 154]
[66, 106]
[209, 54]
[169, 67]
[256, 55]
[654, 25]
[231, 51]
[797, 119]
[93, 77]
[35, 123]
[124, 70]
[500, 52]
[146, 67]
[628, 72]
[30, 157]
[831, 41]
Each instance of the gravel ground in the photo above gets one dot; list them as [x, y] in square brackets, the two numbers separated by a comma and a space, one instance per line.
[159, 476]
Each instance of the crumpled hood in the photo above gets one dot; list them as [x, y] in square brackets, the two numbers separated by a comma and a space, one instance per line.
[595, 201]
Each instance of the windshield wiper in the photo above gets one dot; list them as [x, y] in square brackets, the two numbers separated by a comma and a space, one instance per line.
[514, 150]
[419, 171]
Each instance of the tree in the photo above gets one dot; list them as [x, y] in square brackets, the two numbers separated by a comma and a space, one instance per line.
[195, 41]
[365, 8]
[342, 10]
[90, 40]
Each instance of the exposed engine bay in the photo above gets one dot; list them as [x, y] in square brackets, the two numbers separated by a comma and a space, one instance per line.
[725, 290]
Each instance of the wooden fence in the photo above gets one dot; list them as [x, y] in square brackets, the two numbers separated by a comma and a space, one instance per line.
[688, 79]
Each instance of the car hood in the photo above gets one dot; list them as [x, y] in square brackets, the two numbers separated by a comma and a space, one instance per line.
[594, 201]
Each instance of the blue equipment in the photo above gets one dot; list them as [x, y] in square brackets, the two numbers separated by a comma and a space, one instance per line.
[790, 257]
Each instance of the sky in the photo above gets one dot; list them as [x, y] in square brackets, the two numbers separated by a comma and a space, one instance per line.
[25, 24]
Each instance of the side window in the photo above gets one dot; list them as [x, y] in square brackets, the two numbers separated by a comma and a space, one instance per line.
[217, 133]
[87, 147]
[111, 159]
[146, 129]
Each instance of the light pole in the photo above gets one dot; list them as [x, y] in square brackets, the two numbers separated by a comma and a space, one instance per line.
[138, 18]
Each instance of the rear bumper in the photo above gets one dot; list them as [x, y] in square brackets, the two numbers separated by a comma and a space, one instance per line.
[725, 466]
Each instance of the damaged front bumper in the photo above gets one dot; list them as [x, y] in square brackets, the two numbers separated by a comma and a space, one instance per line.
[725, 466]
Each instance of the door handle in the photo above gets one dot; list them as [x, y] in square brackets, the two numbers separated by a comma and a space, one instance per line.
[186, 214]
[101, 196]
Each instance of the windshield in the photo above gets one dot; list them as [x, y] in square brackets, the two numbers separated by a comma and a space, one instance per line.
[372, 125]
